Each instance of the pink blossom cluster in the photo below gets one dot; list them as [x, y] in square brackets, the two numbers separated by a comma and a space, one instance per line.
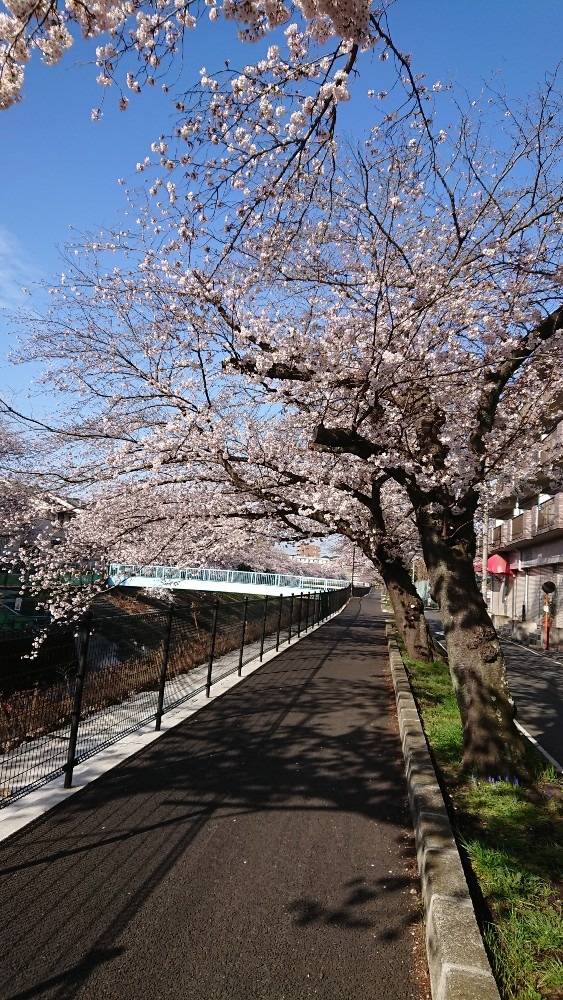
[154, 30]
[335, 350]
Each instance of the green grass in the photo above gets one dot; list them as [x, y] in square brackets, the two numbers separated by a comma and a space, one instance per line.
[512, 837]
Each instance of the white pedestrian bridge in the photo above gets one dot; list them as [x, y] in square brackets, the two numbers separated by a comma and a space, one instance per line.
[230, 580]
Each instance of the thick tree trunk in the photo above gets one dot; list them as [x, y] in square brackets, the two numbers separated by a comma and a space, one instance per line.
[408, 610]
[492, 745]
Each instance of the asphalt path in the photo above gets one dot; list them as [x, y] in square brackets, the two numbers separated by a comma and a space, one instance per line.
[536, 684]
[261, 850]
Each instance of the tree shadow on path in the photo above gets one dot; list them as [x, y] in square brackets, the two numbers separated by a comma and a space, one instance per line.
[292, 774]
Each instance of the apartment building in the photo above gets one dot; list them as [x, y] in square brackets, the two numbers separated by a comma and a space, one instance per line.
[307, 551]
[526, 552]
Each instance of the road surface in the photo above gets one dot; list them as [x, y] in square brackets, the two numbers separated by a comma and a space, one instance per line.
[261, 850]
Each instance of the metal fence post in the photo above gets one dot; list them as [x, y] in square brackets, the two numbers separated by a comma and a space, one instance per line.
[84, 642]
[263, 628]
[290, 617]
[212, 646]
[307, 612]
[164, 667]
[279, 623]
[242, 634]
[300, 613]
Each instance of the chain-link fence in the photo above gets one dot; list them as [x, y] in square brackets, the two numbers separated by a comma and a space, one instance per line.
[89, 686]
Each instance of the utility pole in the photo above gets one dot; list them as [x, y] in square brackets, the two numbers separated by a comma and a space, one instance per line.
[485, 552]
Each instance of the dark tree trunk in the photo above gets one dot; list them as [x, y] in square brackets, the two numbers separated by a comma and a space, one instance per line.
[408, 610]
[492, 745]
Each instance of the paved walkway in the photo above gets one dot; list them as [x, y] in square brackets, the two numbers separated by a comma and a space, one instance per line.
[259, 851]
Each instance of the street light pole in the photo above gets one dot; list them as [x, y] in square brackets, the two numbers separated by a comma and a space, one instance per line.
[485, 554]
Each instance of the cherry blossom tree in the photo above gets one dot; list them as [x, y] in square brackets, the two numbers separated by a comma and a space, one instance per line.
[338, 496]
[12, 501]
[430, 334]
[392, 319]
[16, 503]
[189, 472]
[145, 43]
[213, 498]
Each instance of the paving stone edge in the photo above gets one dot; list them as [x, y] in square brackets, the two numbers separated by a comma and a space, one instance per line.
[457, 961]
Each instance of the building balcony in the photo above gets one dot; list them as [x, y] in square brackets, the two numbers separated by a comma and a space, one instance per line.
[546, 516]
[517, 527]
[545, 520]
[551, 452]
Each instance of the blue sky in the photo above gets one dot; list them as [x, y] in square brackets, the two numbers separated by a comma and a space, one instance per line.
[59, 171]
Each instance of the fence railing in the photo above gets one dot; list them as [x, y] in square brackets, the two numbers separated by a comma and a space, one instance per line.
[88, 688]
[125, 574]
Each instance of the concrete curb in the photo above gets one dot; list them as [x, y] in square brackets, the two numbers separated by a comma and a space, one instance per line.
[457, 961]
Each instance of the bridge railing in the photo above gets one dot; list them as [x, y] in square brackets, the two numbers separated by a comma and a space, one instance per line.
[126, 572]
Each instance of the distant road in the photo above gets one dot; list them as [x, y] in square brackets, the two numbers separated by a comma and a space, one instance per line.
[536, 683]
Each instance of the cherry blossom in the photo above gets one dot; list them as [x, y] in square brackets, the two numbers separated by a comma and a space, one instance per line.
[154, 32]
[351, 339]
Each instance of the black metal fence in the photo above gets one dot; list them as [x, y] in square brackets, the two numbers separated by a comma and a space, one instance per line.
[115, 673]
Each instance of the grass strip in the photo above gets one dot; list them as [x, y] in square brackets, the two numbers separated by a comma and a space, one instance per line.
[512, 838]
